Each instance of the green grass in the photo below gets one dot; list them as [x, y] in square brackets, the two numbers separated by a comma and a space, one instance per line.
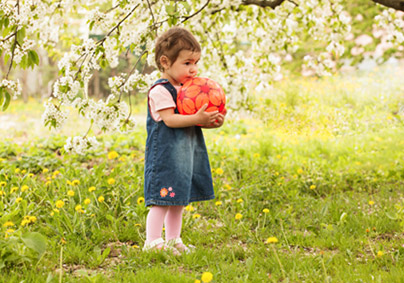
[319, 166]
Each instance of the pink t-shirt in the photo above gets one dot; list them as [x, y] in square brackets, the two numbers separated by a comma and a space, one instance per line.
[159, 99]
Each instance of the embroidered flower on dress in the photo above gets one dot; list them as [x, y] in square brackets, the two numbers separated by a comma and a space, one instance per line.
[163, 192]
[172, 194]
[170, 189]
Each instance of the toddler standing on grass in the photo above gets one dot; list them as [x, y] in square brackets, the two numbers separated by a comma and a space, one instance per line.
[177, 169]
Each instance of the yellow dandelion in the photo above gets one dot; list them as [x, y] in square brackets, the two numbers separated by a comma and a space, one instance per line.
[45, 170]
[48, 183]
[91, 189]
[278, 156]
[271, 240]
[380, 254]
[17, 170]
[8, 232]
[265, 210]
[18, 200]
[189, 208]
[122, 158]
[2, 193]
[87, 201]
[101, 199]
[56, 210]
[55, 173]
[140, 200]
[68, 183]
[77, 208]
[3, 184]
[24, 188]
[219, 171]
[218, 203]
[60, 203]
[312, 187]
[371, 202]
[135, 247]
[70, 193]
[206, 277]
[111, 181]
[299, 171]
[112, 154]
[23, 171]
[52, 213]
[238, 216]
[256, 155]
[32, 219]
[75, 182]
[30, 175]
[196, 215]
[197, 281]
[227, 187]
[239, 200]
[8, 224]
[138, 225]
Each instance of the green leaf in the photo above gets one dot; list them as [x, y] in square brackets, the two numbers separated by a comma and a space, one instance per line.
[110, 218]
[92, 25]
[392, 217]
[35, 241]
[33, 56]
[6, 102]
[170, 9]
[1, 96]
[21, 36]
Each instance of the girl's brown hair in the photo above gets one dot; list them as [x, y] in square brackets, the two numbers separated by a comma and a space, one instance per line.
[172, 42]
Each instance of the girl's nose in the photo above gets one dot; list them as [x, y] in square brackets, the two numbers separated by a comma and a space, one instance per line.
[194, 70]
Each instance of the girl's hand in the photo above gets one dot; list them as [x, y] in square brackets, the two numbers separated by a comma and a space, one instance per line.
[218, 122]
[206, 118]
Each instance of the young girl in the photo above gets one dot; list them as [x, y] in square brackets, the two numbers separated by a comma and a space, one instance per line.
[177, 169]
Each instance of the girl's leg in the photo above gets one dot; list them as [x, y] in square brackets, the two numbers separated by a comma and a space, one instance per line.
[154, 222]
[173, 222]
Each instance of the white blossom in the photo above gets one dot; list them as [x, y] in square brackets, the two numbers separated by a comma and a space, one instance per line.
[80, 145]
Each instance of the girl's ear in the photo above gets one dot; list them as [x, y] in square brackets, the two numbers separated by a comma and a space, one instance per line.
[165, 62]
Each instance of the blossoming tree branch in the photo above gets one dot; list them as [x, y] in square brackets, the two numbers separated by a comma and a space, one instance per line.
[275, 31]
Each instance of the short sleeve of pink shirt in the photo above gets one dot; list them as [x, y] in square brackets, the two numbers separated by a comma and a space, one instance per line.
[160, 99]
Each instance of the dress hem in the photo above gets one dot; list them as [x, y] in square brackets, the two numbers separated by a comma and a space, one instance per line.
[178, 203]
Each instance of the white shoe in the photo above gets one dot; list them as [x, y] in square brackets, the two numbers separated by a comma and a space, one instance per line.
[180, 246]
[160, 245]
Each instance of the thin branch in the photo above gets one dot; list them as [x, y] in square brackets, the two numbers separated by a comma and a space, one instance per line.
[131, 72]
[101, 41]
[151, 12]
[12, 55]
[8, 37]
[197, 12]
[263, 3]
[113, 8]
[395, 4]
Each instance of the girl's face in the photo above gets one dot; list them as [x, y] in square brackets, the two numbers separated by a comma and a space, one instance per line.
[184, 68]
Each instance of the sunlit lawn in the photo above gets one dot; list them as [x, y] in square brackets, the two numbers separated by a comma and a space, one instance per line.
[308, 188]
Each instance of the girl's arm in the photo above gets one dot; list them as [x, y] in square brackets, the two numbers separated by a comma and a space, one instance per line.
[201, 117]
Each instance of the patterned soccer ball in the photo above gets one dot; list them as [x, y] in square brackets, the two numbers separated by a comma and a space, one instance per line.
[198, 91]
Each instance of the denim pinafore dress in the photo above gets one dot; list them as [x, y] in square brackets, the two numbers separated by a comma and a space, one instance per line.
[177, 169]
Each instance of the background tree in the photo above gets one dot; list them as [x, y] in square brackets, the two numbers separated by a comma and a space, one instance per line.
[245, 44]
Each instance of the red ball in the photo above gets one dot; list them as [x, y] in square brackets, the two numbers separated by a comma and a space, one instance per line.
[196, 92]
